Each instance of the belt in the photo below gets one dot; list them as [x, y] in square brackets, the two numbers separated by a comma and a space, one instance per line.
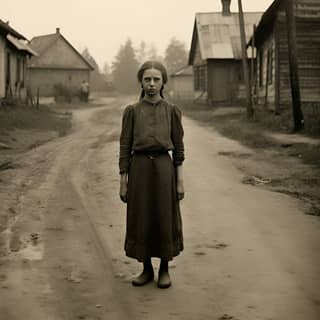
[151, 154]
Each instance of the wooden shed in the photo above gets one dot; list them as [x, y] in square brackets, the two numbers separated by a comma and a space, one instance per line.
[271, 41]
[58, 63]
[182, 84]
[215, 54]
[14, 53]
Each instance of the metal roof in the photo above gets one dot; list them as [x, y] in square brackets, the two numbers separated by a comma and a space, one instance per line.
[219, 35]
[43, 43]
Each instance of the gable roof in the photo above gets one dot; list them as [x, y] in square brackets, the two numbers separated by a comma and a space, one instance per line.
[219, 35]
[43, 43]
[266, 23]
[5, 28]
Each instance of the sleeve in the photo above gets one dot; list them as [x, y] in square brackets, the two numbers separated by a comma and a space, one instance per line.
[177, 136]
[126, 139]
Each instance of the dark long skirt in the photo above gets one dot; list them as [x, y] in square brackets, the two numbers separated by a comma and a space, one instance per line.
[154, 226]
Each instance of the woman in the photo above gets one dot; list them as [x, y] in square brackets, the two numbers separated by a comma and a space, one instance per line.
[151, 181]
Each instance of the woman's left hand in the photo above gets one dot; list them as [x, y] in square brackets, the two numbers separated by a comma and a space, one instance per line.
[180, 189]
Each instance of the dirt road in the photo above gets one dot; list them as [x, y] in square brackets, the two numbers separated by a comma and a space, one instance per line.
[249, 253]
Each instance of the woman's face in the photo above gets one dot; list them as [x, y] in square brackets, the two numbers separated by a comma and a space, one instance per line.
[152, 82]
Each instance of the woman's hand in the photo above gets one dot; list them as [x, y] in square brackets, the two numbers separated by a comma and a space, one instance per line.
[180, 184]
[180, 189]
[123, 188]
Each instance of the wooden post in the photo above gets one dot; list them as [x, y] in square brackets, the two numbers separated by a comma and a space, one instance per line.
[250, 110]
[253, 69]
[38, 98]
[298, 121]
[266, 94]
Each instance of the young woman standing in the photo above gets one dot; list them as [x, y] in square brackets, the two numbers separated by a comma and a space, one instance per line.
[151, 180]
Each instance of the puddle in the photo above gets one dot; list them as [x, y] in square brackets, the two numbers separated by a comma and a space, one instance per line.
[32, 252]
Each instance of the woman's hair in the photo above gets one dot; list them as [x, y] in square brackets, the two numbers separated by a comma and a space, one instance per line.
[152, 64]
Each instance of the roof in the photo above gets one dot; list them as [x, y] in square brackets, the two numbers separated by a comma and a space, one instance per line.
[265, 25]
[219, 35]
[185, 71]
[309, 10]
[43, 43]
[20, 45]
[8, 30]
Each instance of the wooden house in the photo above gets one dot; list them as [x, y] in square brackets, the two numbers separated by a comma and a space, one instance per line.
[181, 83]
[272, 78]
[58, 63]
[14, 53]
[215, 54]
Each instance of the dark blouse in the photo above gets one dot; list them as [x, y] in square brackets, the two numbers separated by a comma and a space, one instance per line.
[150, 126]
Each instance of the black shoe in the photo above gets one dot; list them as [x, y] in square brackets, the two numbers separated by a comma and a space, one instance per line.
[164, 281]
[144, 278]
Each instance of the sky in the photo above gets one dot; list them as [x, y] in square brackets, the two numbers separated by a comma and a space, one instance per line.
[103, 25]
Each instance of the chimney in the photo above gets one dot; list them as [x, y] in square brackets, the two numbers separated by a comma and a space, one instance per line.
[226, 7]
[57, 30]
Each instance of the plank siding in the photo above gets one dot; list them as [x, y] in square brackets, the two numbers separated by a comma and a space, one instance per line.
[2, 67]
[308, 44]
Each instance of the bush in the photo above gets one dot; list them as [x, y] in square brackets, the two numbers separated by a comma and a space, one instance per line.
[63, 93]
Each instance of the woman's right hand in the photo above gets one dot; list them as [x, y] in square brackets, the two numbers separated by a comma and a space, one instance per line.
[123, 188]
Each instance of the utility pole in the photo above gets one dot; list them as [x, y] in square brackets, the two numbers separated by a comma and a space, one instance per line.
[298, 121]
[250, 110]
[253, 66]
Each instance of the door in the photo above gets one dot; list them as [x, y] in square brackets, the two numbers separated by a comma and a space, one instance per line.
[220, 83]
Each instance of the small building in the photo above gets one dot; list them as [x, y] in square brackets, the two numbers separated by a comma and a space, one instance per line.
[273, 87]
[58, 64]
[14, 54]
[215, 54]
[182, 84]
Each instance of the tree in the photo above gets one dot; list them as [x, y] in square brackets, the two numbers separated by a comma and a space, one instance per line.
[142, 52]
[124, 69]
[106, 71]
[176, 55]
[153, 53]
[97, 81]
[86, 54]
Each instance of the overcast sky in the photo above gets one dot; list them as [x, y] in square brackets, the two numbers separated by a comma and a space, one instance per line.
[103, 25]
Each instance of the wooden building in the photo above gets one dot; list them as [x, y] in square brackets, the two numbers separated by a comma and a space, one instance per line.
[215, 55]
[58, 63]
[14, 53]
[181, 83]
[272, 79]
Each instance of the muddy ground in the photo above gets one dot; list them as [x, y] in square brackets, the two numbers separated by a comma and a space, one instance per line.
[249, 253]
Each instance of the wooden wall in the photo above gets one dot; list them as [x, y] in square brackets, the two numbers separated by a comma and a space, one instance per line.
[278, 93]
[308, 43]
[224, 79]
[2, 67]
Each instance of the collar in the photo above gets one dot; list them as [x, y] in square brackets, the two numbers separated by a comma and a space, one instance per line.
[152, 103]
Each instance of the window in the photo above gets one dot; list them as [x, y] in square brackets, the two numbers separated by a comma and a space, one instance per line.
[200, 78]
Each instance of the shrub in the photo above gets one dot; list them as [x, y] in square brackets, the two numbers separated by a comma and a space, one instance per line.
[63, 93]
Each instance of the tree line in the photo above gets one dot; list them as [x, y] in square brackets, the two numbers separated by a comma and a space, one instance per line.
[121, 75]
